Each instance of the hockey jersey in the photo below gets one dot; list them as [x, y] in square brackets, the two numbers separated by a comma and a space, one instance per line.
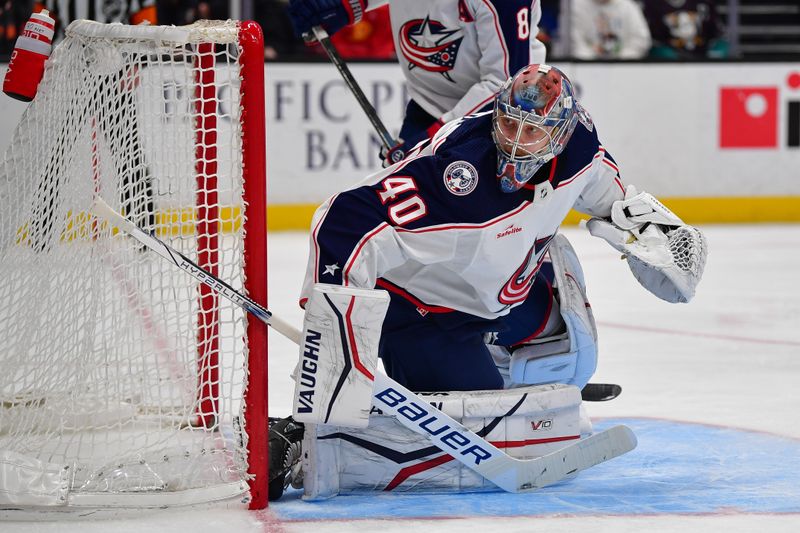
[455, 54]
[437, 230]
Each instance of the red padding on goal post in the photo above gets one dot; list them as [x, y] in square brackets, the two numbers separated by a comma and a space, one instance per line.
[254, 161]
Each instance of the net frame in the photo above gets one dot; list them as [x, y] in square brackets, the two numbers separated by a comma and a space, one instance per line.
[205, 35]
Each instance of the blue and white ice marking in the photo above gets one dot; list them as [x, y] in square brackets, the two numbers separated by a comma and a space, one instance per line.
[677, 468]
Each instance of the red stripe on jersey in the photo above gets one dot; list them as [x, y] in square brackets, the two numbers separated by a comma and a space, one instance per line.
[439, 143]
[553, 169]
[525, 205]
[578, 174]
[615, 168]
[357, 251]
[500, 37]
[383, 284]
[609, 163]
[532, 187]
[480, 105]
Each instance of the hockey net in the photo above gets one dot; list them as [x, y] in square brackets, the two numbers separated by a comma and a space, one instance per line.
[124, 382]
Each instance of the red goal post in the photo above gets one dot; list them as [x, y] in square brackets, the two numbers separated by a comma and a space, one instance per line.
[127, 383]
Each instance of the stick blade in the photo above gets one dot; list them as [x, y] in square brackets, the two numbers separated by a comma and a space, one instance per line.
[103, 211]
[590, 451]
[600, 392]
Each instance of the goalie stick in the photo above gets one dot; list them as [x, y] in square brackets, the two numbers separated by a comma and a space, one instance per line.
[508, 473]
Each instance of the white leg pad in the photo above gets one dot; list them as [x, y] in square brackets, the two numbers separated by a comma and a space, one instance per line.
[385, 456]
[338, 355]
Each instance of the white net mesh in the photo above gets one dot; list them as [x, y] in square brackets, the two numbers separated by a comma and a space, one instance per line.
[120, 375]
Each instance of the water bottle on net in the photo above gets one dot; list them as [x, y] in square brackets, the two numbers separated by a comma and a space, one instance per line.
[33, 46]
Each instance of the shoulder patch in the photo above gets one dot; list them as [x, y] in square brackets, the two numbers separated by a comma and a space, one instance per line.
[460, 178]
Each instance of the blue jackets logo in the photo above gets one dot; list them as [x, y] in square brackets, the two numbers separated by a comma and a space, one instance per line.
[428, 45]
[460, 178]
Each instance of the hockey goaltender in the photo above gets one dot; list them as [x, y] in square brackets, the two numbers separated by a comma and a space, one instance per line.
[448, 265]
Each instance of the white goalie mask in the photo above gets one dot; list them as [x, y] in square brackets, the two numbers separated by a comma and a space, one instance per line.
[534, 116]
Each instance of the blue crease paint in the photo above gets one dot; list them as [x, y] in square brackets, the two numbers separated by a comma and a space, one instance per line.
[677, 468]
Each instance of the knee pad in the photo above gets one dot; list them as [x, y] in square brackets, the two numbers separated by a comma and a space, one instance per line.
[570, 357]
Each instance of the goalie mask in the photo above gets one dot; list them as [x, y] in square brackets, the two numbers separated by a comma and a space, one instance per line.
[534, 116]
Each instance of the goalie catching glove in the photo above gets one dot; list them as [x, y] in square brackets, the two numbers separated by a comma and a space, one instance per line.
[665, 255]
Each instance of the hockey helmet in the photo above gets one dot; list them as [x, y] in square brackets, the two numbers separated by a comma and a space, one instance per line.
[534, 116]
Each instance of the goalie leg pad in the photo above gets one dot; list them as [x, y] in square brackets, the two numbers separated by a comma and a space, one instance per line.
[338, 355]
[572, 356]
[385, 456]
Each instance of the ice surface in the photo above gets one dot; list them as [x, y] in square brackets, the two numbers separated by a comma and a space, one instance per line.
[711, 389]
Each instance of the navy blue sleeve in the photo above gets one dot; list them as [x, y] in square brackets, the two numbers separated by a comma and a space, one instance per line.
[518, 30]
[351, 218]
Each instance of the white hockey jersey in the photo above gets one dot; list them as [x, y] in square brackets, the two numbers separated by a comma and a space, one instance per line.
[437, 230]
[455, 54]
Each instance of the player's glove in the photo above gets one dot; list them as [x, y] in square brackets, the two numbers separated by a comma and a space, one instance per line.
[665, 255]
[332, 15]
[399, 151]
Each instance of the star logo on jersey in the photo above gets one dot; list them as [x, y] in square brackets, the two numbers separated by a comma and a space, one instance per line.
[460, 178]
[427, 44]
[331, 269]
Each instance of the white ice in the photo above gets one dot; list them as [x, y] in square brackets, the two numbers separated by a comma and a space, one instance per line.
[729, 358]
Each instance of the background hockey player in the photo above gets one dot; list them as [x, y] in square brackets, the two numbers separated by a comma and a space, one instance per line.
[455, 54]
[459, 234]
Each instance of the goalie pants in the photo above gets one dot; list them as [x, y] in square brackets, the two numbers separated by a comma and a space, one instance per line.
[430, 350]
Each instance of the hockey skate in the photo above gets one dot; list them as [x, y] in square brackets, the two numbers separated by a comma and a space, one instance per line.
[285, 452]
